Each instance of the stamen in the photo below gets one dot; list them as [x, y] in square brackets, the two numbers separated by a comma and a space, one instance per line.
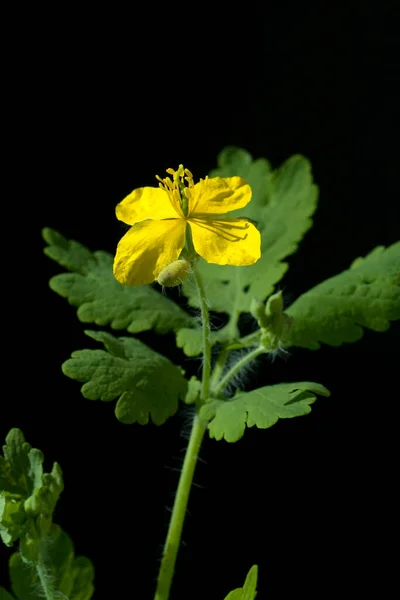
[189, 178]
[181, 179]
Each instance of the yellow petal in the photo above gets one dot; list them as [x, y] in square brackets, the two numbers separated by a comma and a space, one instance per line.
[226, 241]
[146, 203]
[217, 196]
[146, 249]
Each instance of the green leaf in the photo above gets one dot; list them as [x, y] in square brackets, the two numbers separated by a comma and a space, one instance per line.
[101, 299]
[4, 595]
[193, 390]
[21, 467]
[234, 161]
[65, 575]
[248, 591]
[146, 383]
[261, 407]
[12, 517]
[191, 340]
[44, 499]
[282, 204]
[25, 490]
[335, 311]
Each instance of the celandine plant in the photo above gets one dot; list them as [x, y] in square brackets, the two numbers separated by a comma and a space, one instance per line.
[179, 235]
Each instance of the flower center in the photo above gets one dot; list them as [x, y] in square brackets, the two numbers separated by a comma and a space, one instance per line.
[175, 187]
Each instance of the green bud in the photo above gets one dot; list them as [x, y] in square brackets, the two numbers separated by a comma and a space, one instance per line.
[274, 304]
[267, 314]
[174, 274]
[257, 309]
[274, 323]
[276, 334]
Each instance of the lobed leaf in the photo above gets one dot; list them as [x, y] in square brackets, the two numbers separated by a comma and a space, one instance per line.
[191, 340]
[283, 202]
[261, 407]
[249, 590]
[146, 383]
[336, 310]
[101, 299]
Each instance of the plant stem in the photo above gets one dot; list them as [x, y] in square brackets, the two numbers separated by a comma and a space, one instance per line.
[219, 387]
[45, 582]
[172, 542]
[205, 318]
[235, 312]
[219, 366]
[199, 428]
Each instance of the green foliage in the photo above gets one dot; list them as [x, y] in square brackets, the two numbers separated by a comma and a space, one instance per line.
[101, 299]
[261, 407]
[248, 591]
[336, 310]
[27, 501]
[191, 340]
[4, 595]
[148, 386]
[25, 490]
[146, 383]
[234, 162]
[64, 574]
[282, 204]
[193, 391]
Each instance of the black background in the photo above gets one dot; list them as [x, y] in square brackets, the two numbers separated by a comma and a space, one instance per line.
[102, 102]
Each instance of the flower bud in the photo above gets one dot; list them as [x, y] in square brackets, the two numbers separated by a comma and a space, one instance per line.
[257, 309]
[274, 305]
[274, 323]
[276, 335]
[174, 274]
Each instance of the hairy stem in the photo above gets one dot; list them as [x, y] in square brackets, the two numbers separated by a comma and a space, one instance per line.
[220, 386]
[205, 318]
[219, 366]
[45, 581]
[172, 543]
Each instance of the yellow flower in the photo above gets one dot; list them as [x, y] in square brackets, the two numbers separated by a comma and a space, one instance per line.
[160, 218]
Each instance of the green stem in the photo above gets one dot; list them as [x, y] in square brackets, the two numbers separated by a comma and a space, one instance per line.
[172, 542]
[219, 366]
[219, 387]
[205, 318]
[45, 581]
[235, 312]
[199, 428]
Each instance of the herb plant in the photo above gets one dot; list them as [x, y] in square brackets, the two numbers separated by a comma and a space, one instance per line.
[228, 255]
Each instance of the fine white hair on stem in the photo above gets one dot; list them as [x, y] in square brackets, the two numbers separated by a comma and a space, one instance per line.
[243, 377]
[36, 586]
[46, 574]
[187, 416]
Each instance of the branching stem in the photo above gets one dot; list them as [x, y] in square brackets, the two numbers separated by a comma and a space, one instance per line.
[220, 386]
